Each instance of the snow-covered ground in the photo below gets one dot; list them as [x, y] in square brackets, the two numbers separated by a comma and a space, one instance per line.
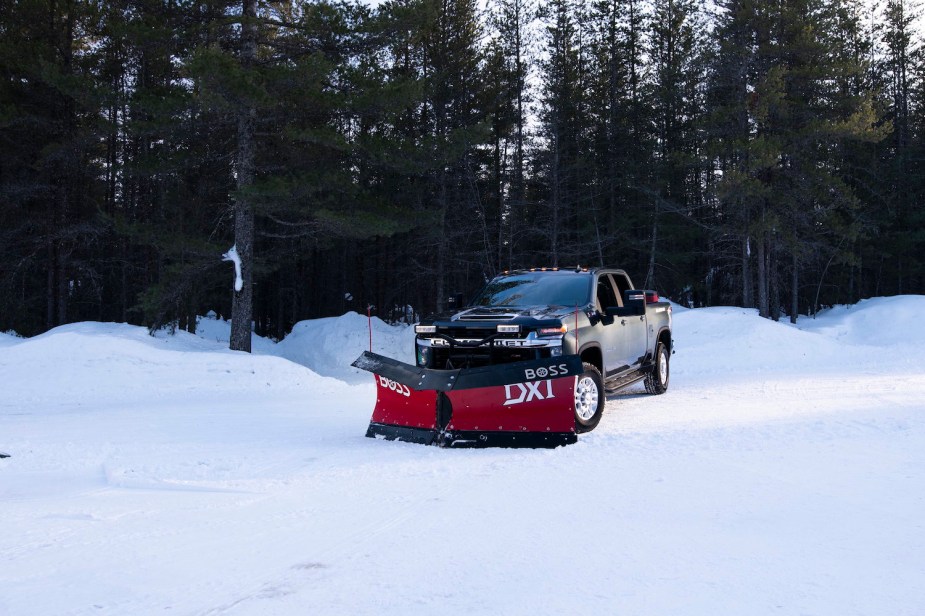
[782, 473]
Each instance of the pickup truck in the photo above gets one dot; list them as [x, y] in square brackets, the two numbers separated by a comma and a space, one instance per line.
[621, 334]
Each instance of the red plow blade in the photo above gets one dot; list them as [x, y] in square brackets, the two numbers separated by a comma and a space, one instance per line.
[522, 404]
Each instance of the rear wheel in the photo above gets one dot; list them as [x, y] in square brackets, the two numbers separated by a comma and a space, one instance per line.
[589, 399]
[657, 380]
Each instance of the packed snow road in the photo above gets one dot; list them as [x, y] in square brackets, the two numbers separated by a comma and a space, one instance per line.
[782, 473]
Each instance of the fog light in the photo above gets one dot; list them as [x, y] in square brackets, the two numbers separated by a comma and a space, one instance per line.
[425, 329]
[509, 329]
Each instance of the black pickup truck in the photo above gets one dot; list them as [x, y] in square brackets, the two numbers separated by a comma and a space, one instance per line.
[623, 335]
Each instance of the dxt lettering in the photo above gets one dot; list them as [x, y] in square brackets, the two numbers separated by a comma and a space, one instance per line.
[518, 393]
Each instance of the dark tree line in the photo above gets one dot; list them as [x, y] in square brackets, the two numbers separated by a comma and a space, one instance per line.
[763, 154]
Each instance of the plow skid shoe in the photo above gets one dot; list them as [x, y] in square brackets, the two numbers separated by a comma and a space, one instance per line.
[522, 404]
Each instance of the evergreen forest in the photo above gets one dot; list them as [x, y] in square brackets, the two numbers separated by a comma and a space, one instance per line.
[765, 154]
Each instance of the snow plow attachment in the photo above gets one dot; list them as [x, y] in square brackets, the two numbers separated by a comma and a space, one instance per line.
[522, 404]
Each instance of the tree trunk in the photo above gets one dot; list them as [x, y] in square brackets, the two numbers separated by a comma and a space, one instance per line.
[440, 278]
[762, 278]
[242, 306]
[748, 298]
[50, 314]
[555, 198]
[795, 290]
[650, 274]
[517, 190]
[63, 285]
[499, 204]
[59, 212]
[774, 282]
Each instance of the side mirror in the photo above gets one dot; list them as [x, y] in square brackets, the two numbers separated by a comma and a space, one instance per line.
[455, 301]
[634, 304]
[636, 300]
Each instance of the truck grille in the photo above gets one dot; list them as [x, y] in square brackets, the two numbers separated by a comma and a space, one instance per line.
[475, 332]
[481, 356]
[490, 317]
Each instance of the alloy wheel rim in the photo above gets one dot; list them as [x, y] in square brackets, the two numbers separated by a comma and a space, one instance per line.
[586, 398]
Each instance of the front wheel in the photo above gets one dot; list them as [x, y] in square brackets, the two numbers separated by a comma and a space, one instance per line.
[589, 399]
[657, 379]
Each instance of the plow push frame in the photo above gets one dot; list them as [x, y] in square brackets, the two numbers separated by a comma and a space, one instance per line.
[520, 404]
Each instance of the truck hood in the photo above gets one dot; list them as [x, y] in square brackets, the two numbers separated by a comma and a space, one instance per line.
[506, 313]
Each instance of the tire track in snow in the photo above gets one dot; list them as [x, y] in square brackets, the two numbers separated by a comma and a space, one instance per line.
[301, 574]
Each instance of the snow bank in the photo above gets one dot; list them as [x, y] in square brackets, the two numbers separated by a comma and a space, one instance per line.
[723, 342]
[111, 363]
[213, 328]
[880, 321]
[9, 339]
[329, 346]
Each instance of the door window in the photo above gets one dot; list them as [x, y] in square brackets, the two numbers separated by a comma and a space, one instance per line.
[623, 285]
[606, 294]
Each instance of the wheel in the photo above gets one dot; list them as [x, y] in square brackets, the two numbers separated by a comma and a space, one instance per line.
[657, 379]
[589, 399]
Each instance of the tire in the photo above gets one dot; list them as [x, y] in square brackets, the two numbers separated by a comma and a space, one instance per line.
[589, 399]
[657, 379]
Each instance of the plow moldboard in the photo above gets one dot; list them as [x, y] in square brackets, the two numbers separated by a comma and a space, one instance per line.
[523, 404]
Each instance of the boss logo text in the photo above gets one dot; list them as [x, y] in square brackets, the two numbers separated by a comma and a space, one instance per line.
[396, 387]
[542, 373]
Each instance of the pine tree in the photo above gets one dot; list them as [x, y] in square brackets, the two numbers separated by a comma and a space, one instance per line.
[51, 163]
[173, 177]
[510, 68]
[242, 308]
[562, 127]
[453, 78]
[782, 121]
[677, 50]
[901, 54]
[620, 135]
[728, 136]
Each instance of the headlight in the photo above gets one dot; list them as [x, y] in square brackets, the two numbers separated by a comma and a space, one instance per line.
[553, 331]
[423, 355]
[508, 329]
[425, 329]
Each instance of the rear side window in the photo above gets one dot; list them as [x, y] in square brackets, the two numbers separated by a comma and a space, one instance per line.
[537, 289]
[623, 284]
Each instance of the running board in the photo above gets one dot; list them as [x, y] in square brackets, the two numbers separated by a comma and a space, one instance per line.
[615, 384]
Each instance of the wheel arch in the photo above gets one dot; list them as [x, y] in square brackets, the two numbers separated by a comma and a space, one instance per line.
[664, 336]
[592, 354]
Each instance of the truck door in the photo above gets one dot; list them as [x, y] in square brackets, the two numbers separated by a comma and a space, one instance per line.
[609, 330]
[634, 336]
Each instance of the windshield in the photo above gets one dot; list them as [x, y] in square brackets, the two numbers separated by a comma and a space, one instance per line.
[536, 289]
